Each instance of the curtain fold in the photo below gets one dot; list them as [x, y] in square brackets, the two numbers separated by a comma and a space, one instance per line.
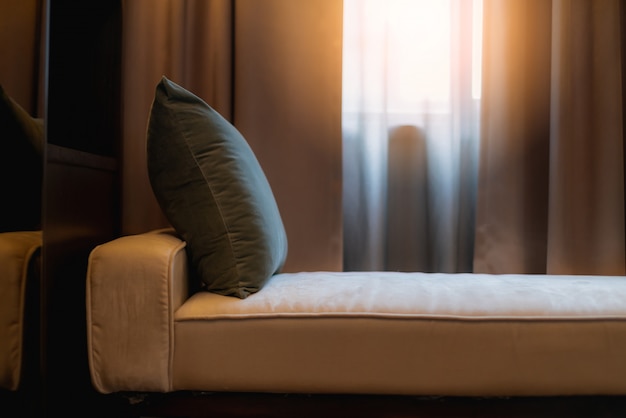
[273, 68]
[541, 192]
[22, 48]
[551, 182]
[548, 196]
[586, 212]
[22, 80]
[190, 42]
[288, 106]
[512, 194]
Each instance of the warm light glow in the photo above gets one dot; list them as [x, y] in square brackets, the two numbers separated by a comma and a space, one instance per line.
[477, 48]
[413, 41]
[419, 50]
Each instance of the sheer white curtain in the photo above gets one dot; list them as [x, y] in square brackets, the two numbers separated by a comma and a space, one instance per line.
[411, 92]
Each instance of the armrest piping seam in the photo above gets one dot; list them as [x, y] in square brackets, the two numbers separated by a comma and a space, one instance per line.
[170, 288]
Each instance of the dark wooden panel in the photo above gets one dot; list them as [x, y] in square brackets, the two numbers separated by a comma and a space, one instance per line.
[81, 188]
[79, 213]
[84, 75]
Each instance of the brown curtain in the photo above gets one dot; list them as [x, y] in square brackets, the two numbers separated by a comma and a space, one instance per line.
[551, 181]
[22, 53]
[188, 41]
[22, 77]
[287, 104]
[271, 67]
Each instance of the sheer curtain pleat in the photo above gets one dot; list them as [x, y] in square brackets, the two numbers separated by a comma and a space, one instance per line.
[410, 135]
[526, 177]
[548, 196]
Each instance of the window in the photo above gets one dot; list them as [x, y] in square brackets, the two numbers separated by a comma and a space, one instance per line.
[415, 65]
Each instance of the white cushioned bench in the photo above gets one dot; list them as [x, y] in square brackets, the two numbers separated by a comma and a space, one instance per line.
[349, 332]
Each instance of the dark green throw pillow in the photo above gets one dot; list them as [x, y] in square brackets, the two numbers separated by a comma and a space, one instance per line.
[21, 166]
[214, 193]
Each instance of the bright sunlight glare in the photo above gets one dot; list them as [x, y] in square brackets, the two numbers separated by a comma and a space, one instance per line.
[413, 38]
[477, 48]
[423, 28]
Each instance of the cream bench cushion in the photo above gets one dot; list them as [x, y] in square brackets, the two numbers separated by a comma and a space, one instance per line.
[18, 250]
[350, 332]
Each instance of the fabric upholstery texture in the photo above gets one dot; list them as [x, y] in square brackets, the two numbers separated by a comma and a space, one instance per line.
[21, 166]
[17, 249]
[409, 333]
[352, 332]
[214, 192]
[156, 264]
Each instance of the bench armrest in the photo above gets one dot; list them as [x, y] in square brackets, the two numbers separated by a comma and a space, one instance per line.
[135, 283]
[18, 260]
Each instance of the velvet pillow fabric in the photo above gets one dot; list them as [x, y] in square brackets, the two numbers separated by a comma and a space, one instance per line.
[214, 193]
